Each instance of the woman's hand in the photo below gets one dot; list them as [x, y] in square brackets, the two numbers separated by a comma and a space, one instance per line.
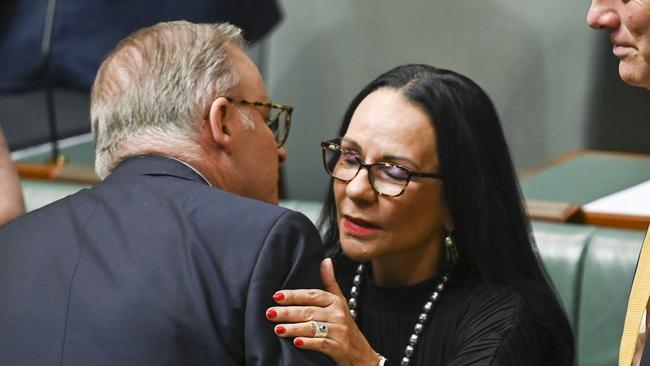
[344, 342]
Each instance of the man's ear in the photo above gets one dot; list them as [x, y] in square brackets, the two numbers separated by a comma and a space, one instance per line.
[221, 121]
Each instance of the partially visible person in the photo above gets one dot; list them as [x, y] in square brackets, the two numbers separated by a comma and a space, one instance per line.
[434, 256]
[11, 196]
[58, 45]
[628, 25]
[83, 32]
[173, 258]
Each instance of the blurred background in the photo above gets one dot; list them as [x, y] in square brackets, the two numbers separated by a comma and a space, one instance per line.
[553, 80]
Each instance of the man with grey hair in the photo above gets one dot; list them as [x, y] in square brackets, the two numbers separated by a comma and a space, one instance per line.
[175, 256]
[628, 25]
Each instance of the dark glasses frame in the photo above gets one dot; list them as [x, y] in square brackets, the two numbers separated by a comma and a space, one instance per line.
[334, 145]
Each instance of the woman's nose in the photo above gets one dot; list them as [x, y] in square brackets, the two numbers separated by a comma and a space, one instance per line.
[359, 188]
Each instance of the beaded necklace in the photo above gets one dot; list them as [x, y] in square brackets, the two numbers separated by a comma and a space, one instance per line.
[422, 318]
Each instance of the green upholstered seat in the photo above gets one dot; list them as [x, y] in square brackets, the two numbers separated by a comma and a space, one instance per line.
[609, 265]
[562, 248]
[592, 270]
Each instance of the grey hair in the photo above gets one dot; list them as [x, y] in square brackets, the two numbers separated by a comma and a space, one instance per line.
[155, 88]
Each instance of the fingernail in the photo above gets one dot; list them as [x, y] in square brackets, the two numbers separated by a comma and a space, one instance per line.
[271, 314]
[278, 296]
[280, 329]
[298, 342]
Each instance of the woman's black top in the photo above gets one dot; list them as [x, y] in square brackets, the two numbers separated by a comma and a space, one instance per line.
[471, 323]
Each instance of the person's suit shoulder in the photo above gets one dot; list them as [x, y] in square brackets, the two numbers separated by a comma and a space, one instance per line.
[249, 213]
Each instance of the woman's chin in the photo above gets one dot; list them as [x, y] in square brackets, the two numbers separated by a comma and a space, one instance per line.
[356, 251]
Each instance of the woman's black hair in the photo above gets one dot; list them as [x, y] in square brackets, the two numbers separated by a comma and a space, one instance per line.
[491, 230]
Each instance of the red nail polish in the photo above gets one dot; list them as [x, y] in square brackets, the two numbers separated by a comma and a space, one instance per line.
[271, 314]
[298, 342]
[278, 296]
[280, 329]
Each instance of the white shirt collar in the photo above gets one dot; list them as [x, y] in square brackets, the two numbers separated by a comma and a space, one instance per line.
[191, 167]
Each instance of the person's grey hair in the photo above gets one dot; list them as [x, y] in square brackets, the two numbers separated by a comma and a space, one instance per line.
[155, 88]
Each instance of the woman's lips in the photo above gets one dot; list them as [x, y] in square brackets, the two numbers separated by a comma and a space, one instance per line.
[358, 227]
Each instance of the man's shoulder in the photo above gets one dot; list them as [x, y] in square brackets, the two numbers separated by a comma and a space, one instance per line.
[213, 210]
[224, 203]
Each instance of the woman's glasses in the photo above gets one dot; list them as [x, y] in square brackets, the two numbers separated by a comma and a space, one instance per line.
[386, 179]
[279, 121]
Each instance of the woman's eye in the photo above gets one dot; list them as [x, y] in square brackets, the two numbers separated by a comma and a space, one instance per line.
[396, 173]
[349, 158]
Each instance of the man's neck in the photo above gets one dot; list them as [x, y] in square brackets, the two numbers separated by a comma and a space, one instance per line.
[197, 171]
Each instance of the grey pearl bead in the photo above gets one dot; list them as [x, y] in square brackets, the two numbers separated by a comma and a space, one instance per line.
[434, 296]
[413, 340]
[357, 280]
[422, 318]
[352, 302]
[354, 291]
[405, 361]
[360, 269]
[428, 306]
[353, 313]
[409, 351]
[440, 287]
[418, 328]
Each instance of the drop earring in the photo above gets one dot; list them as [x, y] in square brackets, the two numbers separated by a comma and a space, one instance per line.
[450, 249]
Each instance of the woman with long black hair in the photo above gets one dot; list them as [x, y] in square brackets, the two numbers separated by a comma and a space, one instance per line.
[434, 257]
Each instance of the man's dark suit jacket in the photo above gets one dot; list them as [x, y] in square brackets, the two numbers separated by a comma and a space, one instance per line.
[152, 267]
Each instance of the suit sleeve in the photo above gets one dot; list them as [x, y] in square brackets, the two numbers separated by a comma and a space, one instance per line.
[289, 259]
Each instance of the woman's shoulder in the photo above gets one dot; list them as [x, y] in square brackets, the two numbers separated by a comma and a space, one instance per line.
[503, 304]
[500, 324]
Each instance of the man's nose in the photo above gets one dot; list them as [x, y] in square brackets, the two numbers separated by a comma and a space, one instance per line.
[602, 16]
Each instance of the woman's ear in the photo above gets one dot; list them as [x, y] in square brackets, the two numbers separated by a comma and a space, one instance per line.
[220, 121]
[449, 229]
[448, 222]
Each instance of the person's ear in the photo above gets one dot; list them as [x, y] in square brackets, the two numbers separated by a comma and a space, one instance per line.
[448, 221]
[449, 228]
[221, 121]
